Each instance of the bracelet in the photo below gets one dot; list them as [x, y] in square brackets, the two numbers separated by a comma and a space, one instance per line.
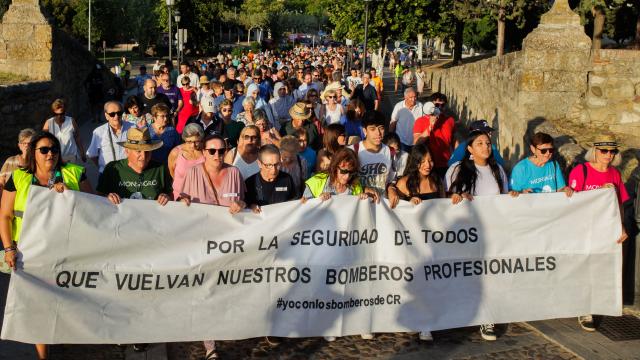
[9, 249]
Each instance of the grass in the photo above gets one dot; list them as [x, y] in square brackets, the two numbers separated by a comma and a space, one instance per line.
[8, 78]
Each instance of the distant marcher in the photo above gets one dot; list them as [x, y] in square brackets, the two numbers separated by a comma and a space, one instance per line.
[404, 116]
[67, 131]
[17, 161]
[161, 129]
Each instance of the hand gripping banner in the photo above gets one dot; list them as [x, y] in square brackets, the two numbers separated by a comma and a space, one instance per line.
[93, 272]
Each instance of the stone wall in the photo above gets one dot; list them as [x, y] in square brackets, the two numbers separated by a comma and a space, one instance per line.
[21, 106]
[612, 98]
[487, 90]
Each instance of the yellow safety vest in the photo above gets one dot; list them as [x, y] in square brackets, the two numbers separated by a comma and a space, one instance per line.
[317, 182]
[71, 175]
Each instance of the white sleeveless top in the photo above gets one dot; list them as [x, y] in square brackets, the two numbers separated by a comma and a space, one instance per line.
[246, 170]
[65, 134]
[333, 117]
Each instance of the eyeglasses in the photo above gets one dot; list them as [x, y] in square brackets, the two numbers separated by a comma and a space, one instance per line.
[249, 137]
[609, 151]
[271, 166]
[549, 150]
[220, 151]
[346, 172]
[192, 142]
[114, 113]
[44, 150]
[332, 97]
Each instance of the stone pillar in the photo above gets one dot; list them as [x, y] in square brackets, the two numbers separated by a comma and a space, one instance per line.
[552, 76]
[26, 41]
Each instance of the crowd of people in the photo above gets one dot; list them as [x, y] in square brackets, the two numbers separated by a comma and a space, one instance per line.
[247, 132]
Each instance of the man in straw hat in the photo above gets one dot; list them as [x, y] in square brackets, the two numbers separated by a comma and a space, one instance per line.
[299, 113]
[136, 176]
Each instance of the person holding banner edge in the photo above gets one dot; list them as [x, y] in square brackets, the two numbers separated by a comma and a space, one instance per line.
[477, 174]
[44, 167]
[599, 172]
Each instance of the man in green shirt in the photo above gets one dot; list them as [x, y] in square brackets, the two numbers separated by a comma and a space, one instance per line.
[136, 176]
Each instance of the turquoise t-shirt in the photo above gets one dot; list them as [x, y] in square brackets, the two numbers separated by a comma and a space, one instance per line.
[541, 179]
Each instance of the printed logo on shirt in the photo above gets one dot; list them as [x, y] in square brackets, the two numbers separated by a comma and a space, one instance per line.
[124, 183]
[228, 195]
[374, 175]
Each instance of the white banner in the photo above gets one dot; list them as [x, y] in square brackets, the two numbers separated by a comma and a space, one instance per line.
[92, 272]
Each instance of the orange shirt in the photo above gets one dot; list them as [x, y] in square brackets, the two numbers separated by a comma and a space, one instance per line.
[377, 83]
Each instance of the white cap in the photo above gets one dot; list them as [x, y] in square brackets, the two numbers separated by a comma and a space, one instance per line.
[207, 104]
[429, 108]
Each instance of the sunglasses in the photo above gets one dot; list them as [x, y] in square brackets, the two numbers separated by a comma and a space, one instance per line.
[346, 172]
[114, 113]
[220, 151]
[547, 150]
[608, 151]
[44, 150]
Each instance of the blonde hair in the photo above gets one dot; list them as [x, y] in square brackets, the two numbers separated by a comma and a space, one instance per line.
[590, 156]
[57, 104]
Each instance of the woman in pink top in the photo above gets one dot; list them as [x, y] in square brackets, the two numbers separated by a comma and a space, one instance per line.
[214, 182]
[190, 100]
[185, 156]
[599, 172]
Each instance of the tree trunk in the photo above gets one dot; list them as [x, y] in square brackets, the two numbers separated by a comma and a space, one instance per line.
[457, 49]
[636, 44]
[501, 26]
[598, 26]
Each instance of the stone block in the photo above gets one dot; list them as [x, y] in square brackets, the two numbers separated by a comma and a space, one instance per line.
[532, 81]
[595, 102]
[40, 70]
[555, 60]
[564, 81]
[629, 117]
[619, 89]
[17, 32]
[3, 50]
[43, 34]
[602, 116]
[27, 51]
[24, 14]
[596, 79]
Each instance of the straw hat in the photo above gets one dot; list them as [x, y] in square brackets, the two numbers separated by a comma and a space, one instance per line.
[300, 111]
[204, 79]
[605, 142]
[140, 139]
[331, 87]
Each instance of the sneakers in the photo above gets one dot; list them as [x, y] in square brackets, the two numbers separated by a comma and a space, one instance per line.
[330, 338]
[140, 347]
[426, 336]
[586, 323]
[368, 336]
[487, 332]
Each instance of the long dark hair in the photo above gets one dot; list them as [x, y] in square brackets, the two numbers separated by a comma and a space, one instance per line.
[30, 163]
[467, 173]
[330, 138]
[412, 172]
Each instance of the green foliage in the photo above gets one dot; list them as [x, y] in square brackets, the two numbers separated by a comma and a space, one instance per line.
[481, 34]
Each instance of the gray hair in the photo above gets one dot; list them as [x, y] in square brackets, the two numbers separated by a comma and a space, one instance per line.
[409, 90]
[268, 149]
[249, 101]
[260, 114]
[192, 129]
[26, 133]
[113, 102]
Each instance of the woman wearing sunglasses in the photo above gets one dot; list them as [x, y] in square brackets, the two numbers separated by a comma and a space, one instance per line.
[44, 167]
[214, 182]
[341, 177]
[538, 173]
[599, 171]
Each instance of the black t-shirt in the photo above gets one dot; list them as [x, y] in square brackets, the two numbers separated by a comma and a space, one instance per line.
[149, 103]
[263, 193]
[367, 95]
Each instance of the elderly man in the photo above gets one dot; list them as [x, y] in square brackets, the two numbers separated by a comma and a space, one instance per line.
[245, 155]
[151, 97]
[307, 84]
[136, 176]
[403, 117]
[104, 147]
[270, 185]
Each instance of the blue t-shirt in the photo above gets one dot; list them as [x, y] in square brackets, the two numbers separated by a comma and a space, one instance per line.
[458, 154]
[541, 179]
[310, 156]
[170, 139]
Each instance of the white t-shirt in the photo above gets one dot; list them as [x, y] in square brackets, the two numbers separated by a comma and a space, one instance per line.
[486, 184]
[376, 169]
[405, 118]
[194, 80]
[104, 146]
